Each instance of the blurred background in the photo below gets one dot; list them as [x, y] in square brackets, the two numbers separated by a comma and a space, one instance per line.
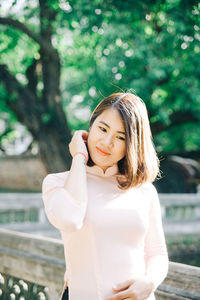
[58, 59]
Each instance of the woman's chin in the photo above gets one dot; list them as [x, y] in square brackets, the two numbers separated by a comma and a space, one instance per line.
[101, 164]
[100, 160]
[95, 159]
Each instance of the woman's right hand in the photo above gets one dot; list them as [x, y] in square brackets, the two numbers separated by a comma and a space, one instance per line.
[78, 142]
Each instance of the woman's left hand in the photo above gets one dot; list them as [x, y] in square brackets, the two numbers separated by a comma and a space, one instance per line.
[138, 289]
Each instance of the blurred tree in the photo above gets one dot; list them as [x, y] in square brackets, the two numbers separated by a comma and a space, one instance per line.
[103, 46]
[40, 111]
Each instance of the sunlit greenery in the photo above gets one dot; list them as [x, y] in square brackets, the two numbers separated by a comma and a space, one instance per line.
[152, 47]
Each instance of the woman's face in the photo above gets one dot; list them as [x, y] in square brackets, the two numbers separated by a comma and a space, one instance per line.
[107, 133]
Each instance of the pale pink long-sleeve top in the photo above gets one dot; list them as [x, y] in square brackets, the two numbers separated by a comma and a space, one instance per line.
[116, 236]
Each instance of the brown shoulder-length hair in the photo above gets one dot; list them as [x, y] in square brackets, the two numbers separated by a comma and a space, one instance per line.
[140, 163]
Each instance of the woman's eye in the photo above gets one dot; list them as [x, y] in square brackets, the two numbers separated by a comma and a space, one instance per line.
[121, 138]
[103, 129]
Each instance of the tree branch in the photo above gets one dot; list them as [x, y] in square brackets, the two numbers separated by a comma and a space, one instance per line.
[177, 118]
[26, 105]
[47, 17]
[22, 27]
[194, 154]
[32, 77]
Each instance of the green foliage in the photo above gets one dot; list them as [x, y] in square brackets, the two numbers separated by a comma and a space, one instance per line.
[3, 107]
[106, 46]
[46, 118]
[177, 139]
[184, 249]
[7, 120]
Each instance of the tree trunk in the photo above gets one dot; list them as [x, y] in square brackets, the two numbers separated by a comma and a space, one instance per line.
[53, 135]
[43, 116]
[54, 150]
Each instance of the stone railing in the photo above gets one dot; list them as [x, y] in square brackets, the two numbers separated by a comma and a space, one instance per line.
[28, 207]
[182, 283]
[21, 208]
[18, 211]
[37, 264]
[180, 213]
[177, 207]
[28, 259]
[25, 212]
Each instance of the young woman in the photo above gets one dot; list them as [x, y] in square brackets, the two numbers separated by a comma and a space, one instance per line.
[106, 207]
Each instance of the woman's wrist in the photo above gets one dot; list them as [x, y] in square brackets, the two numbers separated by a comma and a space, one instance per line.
[83, 155]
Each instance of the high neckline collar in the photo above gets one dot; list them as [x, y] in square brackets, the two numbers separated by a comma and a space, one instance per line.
[96, 170]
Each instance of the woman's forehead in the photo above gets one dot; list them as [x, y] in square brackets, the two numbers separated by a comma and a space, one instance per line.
[110, 112]
[112, 118]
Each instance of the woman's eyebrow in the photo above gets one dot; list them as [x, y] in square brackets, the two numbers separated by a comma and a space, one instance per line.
[109, 126]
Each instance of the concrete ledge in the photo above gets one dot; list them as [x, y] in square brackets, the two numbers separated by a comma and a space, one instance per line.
[36, 259]
[182, 282]
[41, 260]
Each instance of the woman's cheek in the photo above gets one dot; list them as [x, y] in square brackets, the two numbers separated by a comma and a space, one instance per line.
[122, 148]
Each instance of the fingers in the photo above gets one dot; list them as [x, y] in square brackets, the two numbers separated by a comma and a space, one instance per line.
[123, 286]
[82, 133]
[121, 296]
[123, 291]
[78, 142]
[85, 135]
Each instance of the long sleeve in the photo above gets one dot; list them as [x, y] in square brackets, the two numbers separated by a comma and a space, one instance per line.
[156, 255]
[61, 209]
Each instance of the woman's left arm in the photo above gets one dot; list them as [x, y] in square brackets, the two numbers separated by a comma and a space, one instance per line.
[156, 255]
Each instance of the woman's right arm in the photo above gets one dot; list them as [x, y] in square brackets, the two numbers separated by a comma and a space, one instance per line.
[65, 194]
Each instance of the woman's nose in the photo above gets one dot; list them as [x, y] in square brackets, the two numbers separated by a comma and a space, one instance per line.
[108, 140]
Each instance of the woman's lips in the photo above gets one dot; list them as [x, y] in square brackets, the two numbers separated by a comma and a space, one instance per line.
[102, 152]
